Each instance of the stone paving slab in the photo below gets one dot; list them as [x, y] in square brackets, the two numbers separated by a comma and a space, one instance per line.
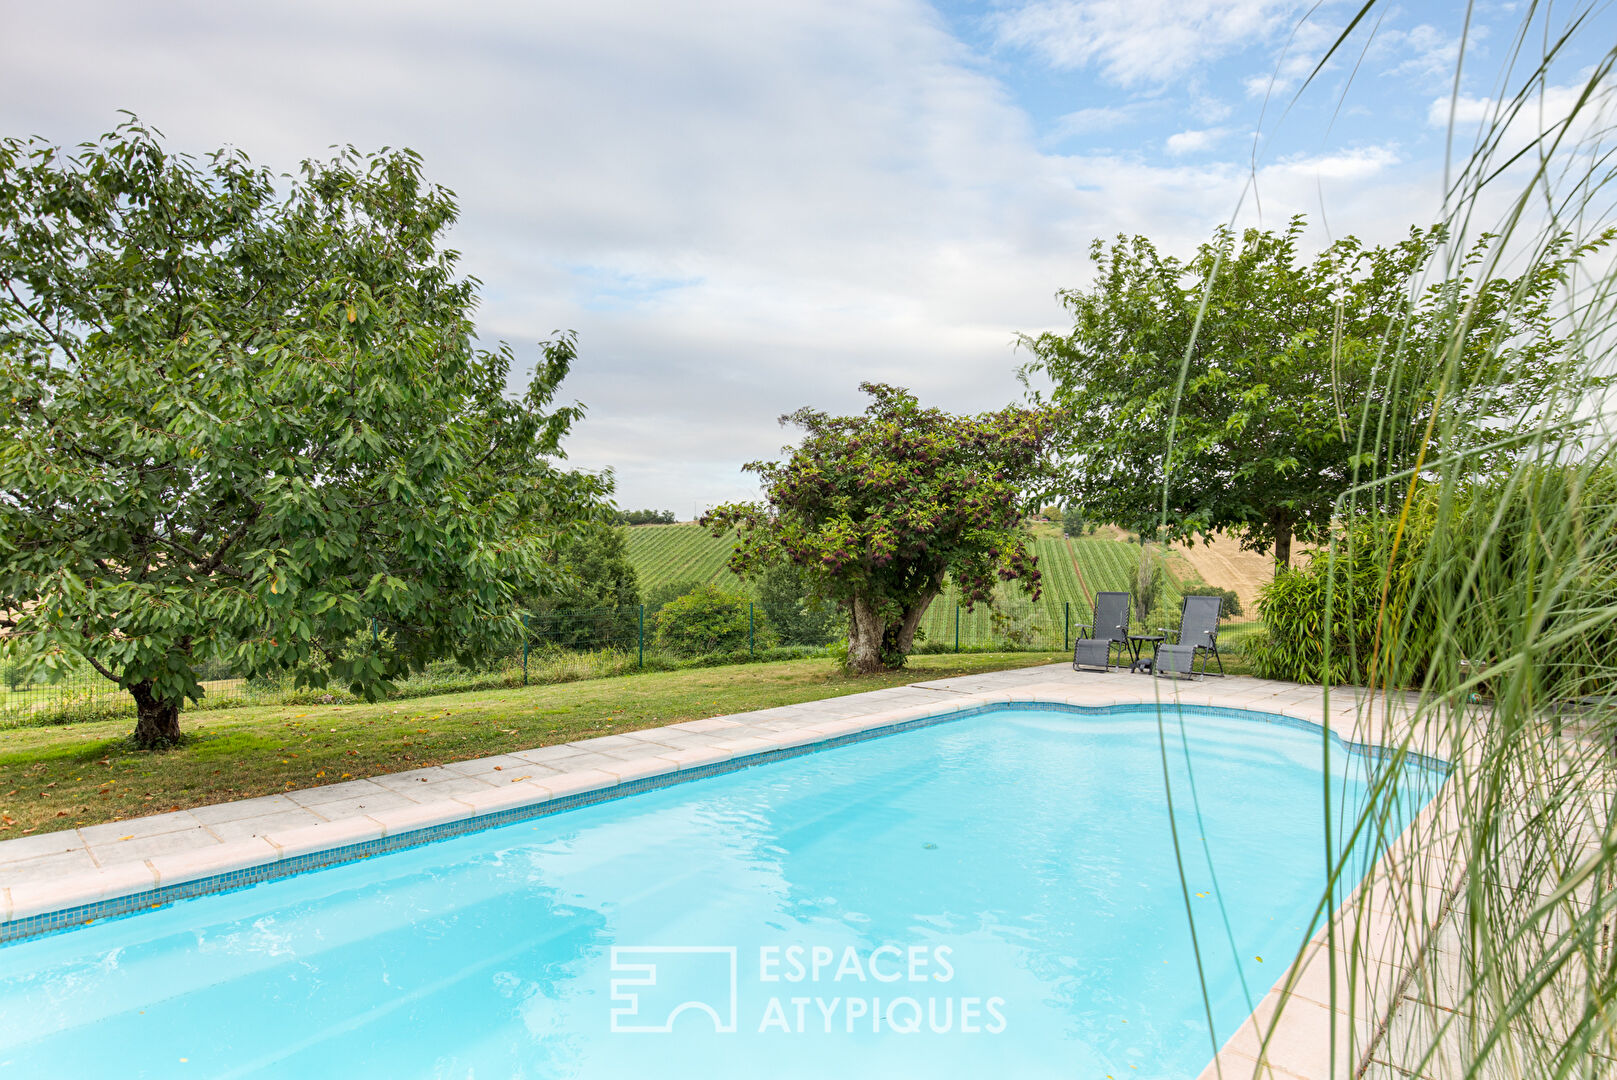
[55, 871]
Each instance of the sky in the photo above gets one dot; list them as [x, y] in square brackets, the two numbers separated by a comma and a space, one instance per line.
[748, 206]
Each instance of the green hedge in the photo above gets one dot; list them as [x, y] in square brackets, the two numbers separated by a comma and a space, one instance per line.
[1477, 576]
[709, 619]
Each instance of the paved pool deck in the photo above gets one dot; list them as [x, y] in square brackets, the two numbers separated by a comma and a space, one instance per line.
[123, 866]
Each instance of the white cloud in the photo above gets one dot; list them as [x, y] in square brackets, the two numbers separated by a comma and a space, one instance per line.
[742, 208]
[1299, 55]
[1429, 54]
[1210, 109]
[1193, 142]
[1554, 115]
[1091, 120]
[1136, 42]
[1365, 189]
[1262, 85]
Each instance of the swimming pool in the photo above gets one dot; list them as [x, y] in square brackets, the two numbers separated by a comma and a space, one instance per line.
[996, 894]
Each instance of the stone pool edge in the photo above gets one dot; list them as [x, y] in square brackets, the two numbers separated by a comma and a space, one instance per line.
[1328, 1011]
[35, 909]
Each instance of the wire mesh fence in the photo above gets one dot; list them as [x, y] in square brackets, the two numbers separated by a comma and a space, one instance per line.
[562, 646]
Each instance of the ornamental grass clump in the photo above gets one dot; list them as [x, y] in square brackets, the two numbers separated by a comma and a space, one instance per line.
[1470, 579]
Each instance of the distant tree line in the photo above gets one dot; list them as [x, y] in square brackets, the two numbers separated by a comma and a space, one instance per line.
[645, 517]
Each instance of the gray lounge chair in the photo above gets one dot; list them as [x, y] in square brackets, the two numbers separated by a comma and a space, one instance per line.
[1197, 633]
[1111, 627]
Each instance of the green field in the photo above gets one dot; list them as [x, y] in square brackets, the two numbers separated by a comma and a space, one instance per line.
[665, 554]
[1074, 570]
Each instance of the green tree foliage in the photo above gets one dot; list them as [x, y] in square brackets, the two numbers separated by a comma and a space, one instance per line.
[1304, 378]
[645, 517]
[1147, 589]
[249, 426]
[708, 619]
[596, 603]
[879, 509]
[1074, 522]
[658, 596]
[784, 595]
[1231, 609]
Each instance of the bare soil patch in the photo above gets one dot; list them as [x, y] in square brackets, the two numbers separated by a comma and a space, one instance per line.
[1226, 564]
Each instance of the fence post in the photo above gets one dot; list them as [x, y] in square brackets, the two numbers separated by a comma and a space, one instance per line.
[957, 628]
[751, 651]
[642, 635]
[524, 650]
[373, 629]
[1066, 625]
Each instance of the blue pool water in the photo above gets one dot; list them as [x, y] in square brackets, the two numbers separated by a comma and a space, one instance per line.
[996, 895]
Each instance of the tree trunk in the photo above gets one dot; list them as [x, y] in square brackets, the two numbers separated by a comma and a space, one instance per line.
[874, 644]
[865, 630]
[901, 636]
[1282, 527]
[157, 720]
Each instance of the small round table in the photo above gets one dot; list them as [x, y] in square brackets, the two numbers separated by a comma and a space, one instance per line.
[1137, 643]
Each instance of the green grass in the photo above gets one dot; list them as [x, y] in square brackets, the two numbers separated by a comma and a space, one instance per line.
[83, 774]
[666, 554]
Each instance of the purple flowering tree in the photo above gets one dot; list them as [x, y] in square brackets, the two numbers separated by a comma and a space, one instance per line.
[880, 511]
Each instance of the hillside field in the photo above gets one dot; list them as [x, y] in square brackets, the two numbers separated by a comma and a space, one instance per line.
[1074, 570]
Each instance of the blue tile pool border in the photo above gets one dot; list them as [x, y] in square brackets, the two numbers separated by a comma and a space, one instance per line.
[72, 918]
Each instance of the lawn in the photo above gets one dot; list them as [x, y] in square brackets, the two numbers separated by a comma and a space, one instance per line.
[84, 774]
